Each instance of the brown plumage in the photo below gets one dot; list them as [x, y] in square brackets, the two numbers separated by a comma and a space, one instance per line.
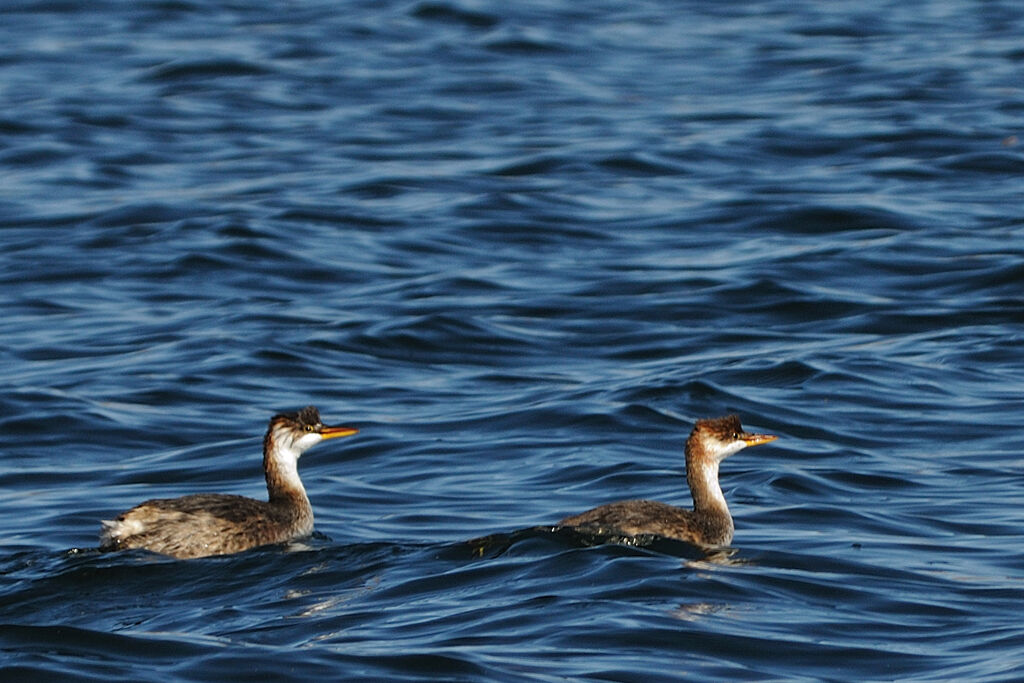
[218, 524]
[709, 523]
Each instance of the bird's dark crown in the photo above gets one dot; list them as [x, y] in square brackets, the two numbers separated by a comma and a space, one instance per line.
[724, 428]
[307, 417]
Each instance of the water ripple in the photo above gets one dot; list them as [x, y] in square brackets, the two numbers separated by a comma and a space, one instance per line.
[521, 247]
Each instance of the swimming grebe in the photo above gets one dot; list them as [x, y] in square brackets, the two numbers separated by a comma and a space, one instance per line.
[709, 522]
[218, 524]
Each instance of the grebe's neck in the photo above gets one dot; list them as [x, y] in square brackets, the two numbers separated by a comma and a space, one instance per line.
[702, 476]
[281, 467]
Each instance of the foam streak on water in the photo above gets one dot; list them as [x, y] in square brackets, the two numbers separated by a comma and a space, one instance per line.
[522, 248]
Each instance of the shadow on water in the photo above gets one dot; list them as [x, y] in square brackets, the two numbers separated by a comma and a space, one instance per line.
[498, 544]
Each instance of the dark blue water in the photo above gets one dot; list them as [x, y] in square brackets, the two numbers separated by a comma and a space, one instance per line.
[522, 246]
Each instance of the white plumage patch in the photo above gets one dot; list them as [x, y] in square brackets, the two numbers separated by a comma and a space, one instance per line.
[307, 441]
[114, 529]
[730, 449]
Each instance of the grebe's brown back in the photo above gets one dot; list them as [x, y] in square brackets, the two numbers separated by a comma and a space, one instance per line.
[219, 524]
[709, 522]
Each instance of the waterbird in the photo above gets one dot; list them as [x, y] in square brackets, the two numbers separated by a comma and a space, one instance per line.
[709, 523]
[205, 524]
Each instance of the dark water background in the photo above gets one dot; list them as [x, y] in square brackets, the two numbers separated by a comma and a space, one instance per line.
[522, 246]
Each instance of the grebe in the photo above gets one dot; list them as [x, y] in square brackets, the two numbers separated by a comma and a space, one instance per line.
[709, 522]
[218, 524]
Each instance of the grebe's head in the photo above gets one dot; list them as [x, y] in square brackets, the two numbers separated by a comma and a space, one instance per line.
[720, 437]
[296, 433]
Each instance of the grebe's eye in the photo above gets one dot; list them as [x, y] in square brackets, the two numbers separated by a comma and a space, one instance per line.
[309, 428]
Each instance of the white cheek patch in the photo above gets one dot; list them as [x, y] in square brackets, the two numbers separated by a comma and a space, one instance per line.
[287, 442]
[731, 449]
[307, 441]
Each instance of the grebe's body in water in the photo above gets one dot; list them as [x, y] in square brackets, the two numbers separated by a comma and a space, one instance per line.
[218, 524]
[709, 523]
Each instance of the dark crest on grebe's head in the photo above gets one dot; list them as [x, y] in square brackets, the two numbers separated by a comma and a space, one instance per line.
[307, 416]
[724, 428]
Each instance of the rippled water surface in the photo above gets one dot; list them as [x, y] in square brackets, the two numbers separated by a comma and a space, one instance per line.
[521, 246]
